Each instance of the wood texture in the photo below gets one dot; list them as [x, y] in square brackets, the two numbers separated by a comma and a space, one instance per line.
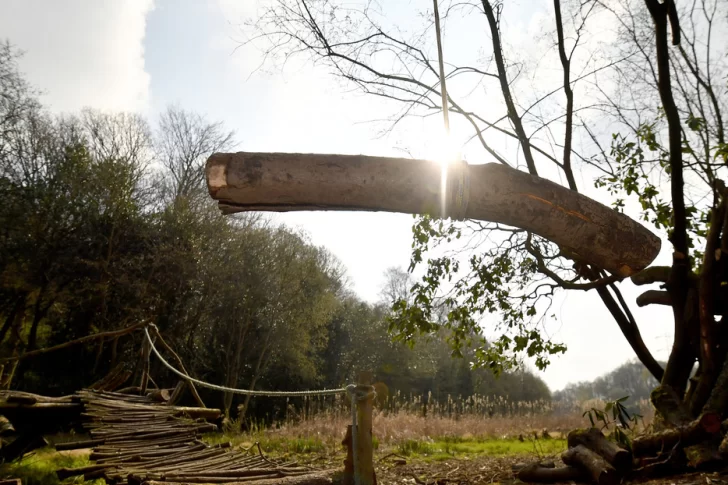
[598, 469]
[299, 182]
[593, 439]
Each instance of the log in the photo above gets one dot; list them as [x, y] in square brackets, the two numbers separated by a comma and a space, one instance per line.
[76, 445]
[536, 473]
[318, 478]
[63, 473]
[705, 427]
[284, 182]
[130, 390]
[160, 395]
[593, 439]
[11, 481]
[596, 467]
[210, 414]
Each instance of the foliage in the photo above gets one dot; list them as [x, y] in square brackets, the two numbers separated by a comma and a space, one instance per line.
[105, 223]
[629, 379]
[616, 417]
[639, 115]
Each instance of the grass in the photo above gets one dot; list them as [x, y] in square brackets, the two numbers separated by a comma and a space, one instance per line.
[39, 467]
[447, 448]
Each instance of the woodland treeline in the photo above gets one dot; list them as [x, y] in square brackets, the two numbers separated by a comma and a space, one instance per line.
[629, 379]
[105, 222]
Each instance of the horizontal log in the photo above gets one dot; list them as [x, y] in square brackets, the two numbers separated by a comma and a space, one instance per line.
[64, 473]
[284, 182]
[317, 478]
[593, 439]
[535, 473]
[76, 445]
[600, 472]
[160, 395]
[705, 427]
[210, 414]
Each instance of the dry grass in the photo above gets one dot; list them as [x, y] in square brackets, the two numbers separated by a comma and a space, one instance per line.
[474, 421]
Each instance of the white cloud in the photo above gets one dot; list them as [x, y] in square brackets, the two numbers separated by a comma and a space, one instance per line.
[82, 52]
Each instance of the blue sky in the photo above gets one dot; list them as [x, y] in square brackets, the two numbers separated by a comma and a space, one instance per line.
[141, 56]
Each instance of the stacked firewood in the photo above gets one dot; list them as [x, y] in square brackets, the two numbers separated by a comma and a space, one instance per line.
[137, 439]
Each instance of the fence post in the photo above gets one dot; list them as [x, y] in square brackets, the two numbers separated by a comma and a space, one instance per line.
[364, 468]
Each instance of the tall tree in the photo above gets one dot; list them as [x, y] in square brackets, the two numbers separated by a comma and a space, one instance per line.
[664, 106]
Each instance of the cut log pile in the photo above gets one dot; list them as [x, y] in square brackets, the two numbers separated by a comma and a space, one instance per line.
[591, 457]
[137, 439]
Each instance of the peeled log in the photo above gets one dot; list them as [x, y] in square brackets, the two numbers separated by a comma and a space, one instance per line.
[593, 439]
[284, 182]
[600, 472]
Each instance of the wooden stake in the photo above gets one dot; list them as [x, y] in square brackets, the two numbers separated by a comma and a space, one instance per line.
[364, 467]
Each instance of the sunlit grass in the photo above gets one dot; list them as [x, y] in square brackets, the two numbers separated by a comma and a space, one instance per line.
[39, 467]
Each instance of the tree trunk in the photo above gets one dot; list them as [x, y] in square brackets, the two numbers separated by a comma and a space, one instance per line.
[19, 303]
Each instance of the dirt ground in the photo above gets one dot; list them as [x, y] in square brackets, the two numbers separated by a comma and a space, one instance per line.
[490, 470]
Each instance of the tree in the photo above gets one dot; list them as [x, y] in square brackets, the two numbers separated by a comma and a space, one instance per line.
[184, 142]
[660, 108]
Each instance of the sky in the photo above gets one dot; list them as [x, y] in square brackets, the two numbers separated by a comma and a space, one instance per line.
[143, 55]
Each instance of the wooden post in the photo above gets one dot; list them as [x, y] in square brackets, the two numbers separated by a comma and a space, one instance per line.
[364, 467]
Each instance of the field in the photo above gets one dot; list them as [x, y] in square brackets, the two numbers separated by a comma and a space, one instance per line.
[452, 442]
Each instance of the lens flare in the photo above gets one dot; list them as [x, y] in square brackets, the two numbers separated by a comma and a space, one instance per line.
[446, 153]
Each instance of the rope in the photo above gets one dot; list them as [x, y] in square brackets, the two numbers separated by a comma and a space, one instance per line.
[322, 392]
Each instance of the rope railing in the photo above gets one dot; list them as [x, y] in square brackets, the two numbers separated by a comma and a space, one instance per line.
[358, 394]
[245, 392]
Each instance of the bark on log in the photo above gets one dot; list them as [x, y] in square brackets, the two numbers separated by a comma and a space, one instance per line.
[318, 478]
[705, 427]
[536, 473]
[63, 473]
[160, 395]
[294, 182]
[76, 445]
[210, 414]
[597, 468]
[593, 439]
